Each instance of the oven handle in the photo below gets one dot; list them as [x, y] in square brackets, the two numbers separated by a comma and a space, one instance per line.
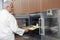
[41, 28]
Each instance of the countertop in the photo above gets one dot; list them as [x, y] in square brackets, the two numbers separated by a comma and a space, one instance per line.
[26, 38]
[33, 35]
[32, 38]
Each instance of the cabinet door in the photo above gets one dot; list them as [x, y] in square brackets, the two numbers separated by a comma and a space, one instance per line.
[34, 5]
[16, 7]
[50, 4]
[21, 6]
[26, 6]
[29, 6]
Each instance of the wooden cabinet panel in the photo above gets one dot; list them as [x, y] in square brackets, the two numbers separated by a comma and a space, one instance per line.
[26, 6]
[21, 6]
[16, 7]
[50, 4]
[34, 5]
[29, 6]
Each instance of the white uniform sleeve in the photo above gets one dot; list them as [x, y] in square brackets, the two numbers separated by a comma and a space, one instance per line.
[14, 27]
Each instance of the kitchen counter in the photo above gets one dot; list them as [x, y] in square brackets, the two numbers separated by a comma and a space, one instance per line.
[31, 35]
[33, 38]
[26, 38]
[34, 35]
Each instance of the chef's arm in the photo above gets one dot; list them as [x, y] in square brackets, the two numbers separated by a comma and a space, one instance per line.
[14, 27]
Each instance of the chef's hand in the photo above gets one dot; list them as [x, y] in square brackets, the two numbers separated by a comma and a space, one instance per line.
[26, 29]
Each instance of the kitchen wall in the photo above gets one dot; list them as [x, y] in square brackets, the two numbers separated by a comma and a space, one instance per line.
[58, 15]
[0, 4]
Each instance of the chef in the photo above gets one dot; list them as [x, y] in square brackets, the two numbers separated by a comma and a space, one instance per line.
[8, 24]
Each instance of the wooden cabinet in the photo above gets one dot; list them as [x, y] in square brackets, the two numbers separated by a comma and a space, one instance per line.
[29, 6]
[50, 4]
[21, 6]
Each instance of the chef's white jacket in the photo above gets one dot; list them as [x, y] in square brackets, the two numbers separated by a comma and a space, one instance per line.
[8, 26]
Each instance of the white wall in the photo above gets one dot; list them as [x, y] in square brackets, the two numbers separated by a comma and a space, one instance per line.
[0, 4]
[8, 0]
